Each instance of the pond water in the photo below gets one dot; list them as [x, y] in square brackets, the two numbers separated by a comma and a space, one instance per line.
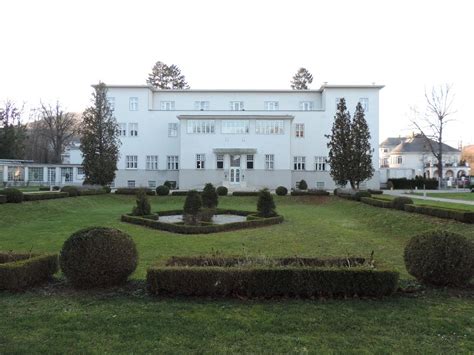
[217, 219]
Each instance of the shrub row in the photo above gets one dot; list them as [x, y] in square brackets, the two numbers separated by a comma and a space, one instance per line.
[375, 192]
[179, 193]
[441, 212]
[19, 271]
[133, 191]
[376, 202]
[418, 182]
[46, 188]
[37, 196]
[351, 194]
[12, 195]
[310, 193]
[268, 282]
[3, 199]
[245, 193]
[203, 229]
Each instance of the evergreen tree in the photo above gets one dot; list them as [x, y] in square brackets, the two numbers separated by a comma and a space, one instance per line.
[192, 207]
[265, 204]
[209, 196]
[99, 140]
[164, 76]
[12, 132]
[360, 167]
[301, 79]
[340, 144]
[143, 207]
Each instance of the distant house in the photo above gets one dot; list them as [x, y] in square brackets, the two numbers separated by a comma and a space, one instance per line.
[407, 157]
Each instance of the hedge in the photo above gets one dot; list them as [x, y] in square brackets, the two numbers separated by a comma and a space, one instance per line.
[133, 191]
[310, 193]
[268, 281]
[203, 229]
[36, 196]
[20, 271]
[12, 195]
[420, 183]
[3, 199]
[88, 192]
[376, 202]
[351, 194]
[179, 193]
[245, 193]
[441, 212]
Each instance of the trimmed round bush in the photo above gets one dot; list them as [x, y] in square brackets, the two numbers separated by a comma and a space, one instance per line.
[400, 202]
[162, 190]
[281, 191]
[440, 258]
[98, 257]
[303, 185]
[222, 191]
[73, 191]
[13, 195]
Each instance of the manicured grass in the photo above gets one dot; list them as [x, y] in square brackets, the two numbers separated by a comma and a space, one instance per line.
[57, 319]
[418, 201]
[467, 196]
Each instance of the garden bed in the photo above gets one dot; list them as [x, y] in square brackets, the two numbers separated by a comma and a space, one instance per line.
[268, 278]
[251, 221]
[20, 271]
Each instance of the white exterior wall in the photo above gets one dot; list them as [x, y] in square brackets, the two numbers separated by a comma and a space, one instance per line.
[153, 137]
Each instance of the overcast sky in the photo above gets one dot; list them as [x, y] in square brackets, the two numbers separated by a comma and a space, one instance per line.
[57, 49]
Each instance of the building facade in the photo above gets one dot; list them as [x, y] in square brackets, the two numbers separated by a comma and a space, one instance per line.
[241, 139]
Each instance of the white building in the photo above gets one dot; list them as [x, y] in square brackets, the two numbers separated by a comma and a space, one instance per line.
[407, 157]
[242, 139]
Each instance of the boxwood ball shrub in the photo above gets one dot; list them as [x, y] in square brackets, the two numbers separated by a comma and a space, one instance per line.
[13, 195]
[400, 202]
[73, 191]
[222, 191]
[162, 190]
[281, 191]
[440, 258]
[265, 204]
[98, 257]
[303, 185]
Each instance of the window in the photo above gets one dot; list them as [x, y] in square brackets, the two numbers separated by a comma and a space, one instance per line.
[152, 184]
[131, 184]
[306, 105]
[269, 127]
[384, 162]
[131, 162]
[80, 171]
[320, 185]
[399, 159]
[167, 105]
[299, 130]
[111, 103]
[200, 160]
[201, 126]
[66, 174]
[250, 161]
[52, 175]
[320, 163]
[235, 126]
[122, 129]
[35, 174]
[172, 129]
[172, 162]
[220, 161]
[365, 103]
[385, 150]
[152, 162]
[16, 173]
[201, 105]
[236, 105]
[133, 104]
[133, 129]
[271, 105]
[269, 161]
[299, 163]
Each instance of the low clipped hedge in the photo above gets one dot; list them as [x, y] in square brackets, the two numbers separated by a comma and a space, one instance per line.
[20, 271]
[73, 191]
[441, 212]
[351, 194]
[245, 193]
[400, 202]
[12, 195]
[37, 196]
[310, 193]
[375, 192]
[202, 229]
[269, 280]
[47, 188]
[89, 192]
[376, 202]
[3, 199]
[133, 191]
[179, 193]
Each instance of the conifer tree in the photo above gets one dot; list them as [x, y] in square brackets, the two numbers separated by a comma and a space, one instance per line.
[301, 79]
[265, 204]
[164, 76]
[210, 199]
[360, 167]
[99, 140]
[192, 207]
[143, 207]
[340, 144]
[12, 132]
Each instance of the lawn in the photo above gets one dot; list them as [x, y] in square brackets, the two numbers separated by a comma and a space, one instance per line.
[467, 196]
[56, 319]
[419, 201]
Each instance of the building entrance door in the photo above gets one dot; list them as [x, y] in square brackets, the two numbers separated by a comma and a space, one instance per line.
[234, 172]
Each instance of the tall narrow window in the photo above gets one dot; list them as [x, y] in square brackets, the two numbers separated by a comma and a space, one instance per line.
[172, 162]
[167, 105]
[299, 128]
[66, 174]
[131, 161]
[133, 129]
[51, 175]
[269, 161]
[236, 105]
[272, 105]
[364, 101]
[152, 162]
[220, 161]
[306, 105]
[133, 104]
[320, 163]
[172, 129]
[122, 129]
[200, 161]
[299, 163]
[201, 105]
[249, 161]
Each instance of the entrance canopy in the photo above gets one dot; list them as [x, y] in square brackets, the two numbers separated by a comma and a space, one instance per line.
[235, 151]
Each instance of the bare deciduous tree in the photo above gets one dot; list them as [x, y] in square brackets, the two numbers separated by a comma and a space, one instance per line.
[438, 107]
